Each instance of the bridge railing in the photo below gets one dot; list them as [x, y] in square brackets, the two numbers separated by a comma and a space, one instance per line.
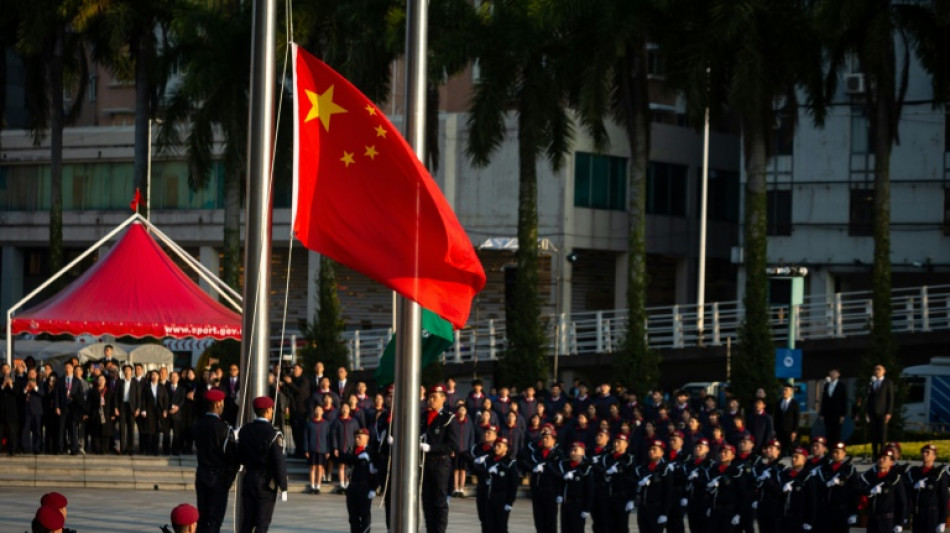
[839, 315]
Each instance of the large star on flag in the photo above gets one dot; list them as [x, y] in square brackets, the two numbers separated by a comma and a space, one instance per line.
[323, 107]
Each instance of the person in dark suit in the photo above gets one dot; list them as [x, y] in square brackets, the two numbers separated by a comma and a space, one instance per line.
[177, 420]
[297, 389]
[154, 411]
[344, 387]
[32, 396]
[216, 452]
[70, 406]
[261, 451]
[128, 398]
[438, 444]
[102, 412]
[786, 418]
[878, 408]
[232, 391]
[834, 405]
[760, 425]
[9, 414]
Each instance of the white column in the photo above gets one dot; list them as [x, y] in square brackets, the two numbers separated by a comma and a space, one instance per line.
[208, 256]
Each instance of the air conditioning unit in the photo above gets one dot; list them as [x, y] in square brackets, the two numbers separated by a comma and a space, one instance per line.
[854, 83]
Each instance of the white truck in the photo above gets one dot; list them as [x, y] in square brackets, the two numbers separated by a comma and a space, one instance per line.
[927, 407]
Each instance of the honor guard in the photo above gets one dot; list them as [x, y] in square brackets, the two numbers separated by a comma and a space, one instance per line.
[479, 455]
[837, 501]
[438, 446]
[819, 449]
[887, 499]
[678, 459]
[618, 468]
[216, 451]
[927, 490]
[543, 461]
[769, 502]
[499, 473]
[261, 451]
[654, 490]
[697, 477]
[577, 490]
[747, 459]
[362, 488]
[728, 492]
[898, 467]
[599, 512]
[60, 503]
[798, 489]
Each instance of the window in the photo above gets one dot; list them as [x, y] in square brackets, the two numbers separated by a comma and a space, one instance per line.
[600, 181]
[656, 66]
[862, 134]
[783, 135]
[723, 201]
[779, 213]
[666, 189]
[861, 213]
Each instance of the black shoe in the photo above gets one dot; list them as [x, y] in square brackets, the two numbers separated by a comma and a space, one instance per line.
[316, 490]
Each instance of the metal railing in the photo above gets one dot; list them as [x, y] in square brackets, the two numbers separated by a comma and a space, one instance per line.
[840, 315]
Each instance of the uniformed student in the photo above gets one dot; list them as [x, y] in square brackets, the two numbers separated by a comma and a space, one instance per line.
[216, 452]
[599, 513]
[887, 499]
[184, 519]
[261, 451]
[697, 477]
[728, 492]
[798, 488]
[927, 485]
[47, 520]
[768, 501]
[837, 499]
[677, 459]
[654, 486]
[899, 467]
[542, 462]
[316, 441]
[577, 490]
[618, 469]
[362, 488]
[747, 459]
[819, 448]
[479, 454]
[438, 443]
[499, 474]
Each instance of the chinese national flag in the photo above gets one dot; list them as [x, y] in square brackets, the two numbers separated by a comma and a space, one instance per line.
[362, 197]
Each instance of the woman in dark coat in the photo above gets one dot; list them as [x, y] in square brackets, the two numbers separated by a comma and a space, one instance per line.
[102, 415]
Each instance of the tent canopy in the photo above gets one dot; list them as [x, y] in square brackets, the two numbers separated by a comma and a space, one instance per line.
[134, 290]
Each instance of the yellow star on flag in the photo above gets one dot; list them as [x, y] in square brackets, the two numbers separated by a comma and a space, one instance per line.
[370, 109]
[347, 158]
[380, 132]
[371, 152]
[323, 107]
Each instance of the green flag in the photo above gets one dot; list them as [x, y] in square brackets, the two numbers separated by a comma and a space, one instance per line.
[437, 336]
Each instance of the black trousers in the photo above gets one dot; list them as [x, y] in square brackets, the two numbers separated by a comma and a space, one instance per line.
[647, 517]
[571, 520]
[720, 520]
[925, 520]
[258, 510]
[10, 430]
[832, 430]
[358, 506]
[770, 517]
[881, 523]
[497, 515]
[212, 505]
[877, 433]
[600, 512]
[544, 509]
[126, 428]
[68, 429]
[677, 518]
[481, 506]
[696, 515]
[618, 519]
[435, 492]
[32, 434]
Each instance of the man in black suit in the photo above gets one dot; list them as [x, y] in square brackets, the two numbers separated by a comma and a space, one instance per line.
[128, 396]
[176, 400]
[154, 412]
[878, 409]
[834, 405]
[70, 403]
[232, 391]
[317, 376]
[9, 413]
[343, 387]
[786, 418]
[297, 389]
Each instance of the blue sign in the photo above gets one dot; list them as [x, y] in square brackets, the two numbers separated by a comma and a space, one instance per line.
[788, 363]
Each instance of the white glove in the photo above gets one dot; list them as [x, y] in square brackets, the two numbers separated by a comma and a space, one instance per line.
[612, 470]
[364, 456]
[389, 440]
[755, 505]
[832, 482]
[493, 469]
[371, 495]
[585, 514]
[806, 527]
[876, 490]
[283, 495]
[735, 520]
[694, 474]
[684, 502]
[645, 482]
[480, 460]
[712, 484]
[569, 476]
[898, 529]
[539, 468]
[629, 507]
[372, 468]
[787, 487]
[763, 476]
[852, 520]
[559, 499]
[424, 446]
[507, 508]
[941, 527]
[661, 519]
[921, 484]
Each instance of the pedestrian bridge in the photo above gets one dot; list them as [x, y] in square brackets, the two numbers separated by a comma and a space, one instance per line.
[838, 316]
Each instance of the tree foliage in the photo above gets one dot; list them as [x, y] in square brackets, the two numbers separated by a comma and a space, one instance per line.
[324, 335]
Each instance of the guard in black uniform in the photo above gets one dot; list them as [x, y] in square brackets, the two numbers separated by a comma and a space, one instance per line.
[499, 473]
[928, 493]
[599, 512]
[747, 459]
[617, 468]
[697, 477]
[677, 458]
[837, 500]
[654, 490]
[577, 494]
[261, 450]
[798, 486]
[362, 487]
[887, 499]
[728, 492]
[479, 455]
[543, 461]
[216, 451]
[769, 502]
[438, 443]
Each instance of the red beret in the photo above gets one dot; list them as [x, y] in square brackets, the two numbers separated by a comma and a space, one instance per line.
[676, 433]
[729, 447]
[436, 388]
[820, 440]
[747, 436]
[54, 499]
[703, 441]
[930, 447]
[843, 446]
[800, 451]
[774, 442]
[888, 452]
[501, 440]
[362, 431]
[492, 427]
[214, 395]
[659, 444]
[579, 444]
[184, 515]
[623, 437]
[895, 445]
[263, 402]
[50, 518]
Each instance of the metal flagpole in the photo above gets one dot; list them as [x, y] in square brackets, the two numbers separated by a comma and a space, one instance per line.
[405, 450]
[255, 337]
[701, 285]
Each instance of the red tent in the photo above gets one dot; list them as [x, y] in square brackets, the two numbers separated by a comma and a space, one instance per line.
[136, 290]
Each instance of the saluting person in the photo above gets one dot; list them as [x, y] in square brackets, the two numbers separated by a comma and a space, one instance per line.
[837, 499]
[577, 492]
[362, 489]
[654, 490]
[542, 461]
[501, 479]
[261, 450]
[728, 492]
[928, 493]
[887, 499]
[800, 497]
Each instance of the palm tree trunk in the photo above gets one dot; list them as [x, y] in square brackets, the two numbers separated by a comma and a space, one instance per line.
[232, 228]
[755, 337]
[56, 150]
[882, 341]
[143, 114]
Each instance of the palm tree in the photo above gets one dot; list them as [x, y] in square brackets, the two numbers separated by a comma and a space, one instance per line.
[124, 36]
[518, 59]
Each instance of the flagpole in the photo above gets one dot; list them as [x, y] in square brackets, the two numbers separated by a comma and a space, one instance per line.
[255, 341]
[405, 453]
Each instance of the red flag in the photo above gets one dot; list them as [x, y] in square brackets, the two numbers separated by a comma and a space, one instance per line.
[136, 200]
[362, 197]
